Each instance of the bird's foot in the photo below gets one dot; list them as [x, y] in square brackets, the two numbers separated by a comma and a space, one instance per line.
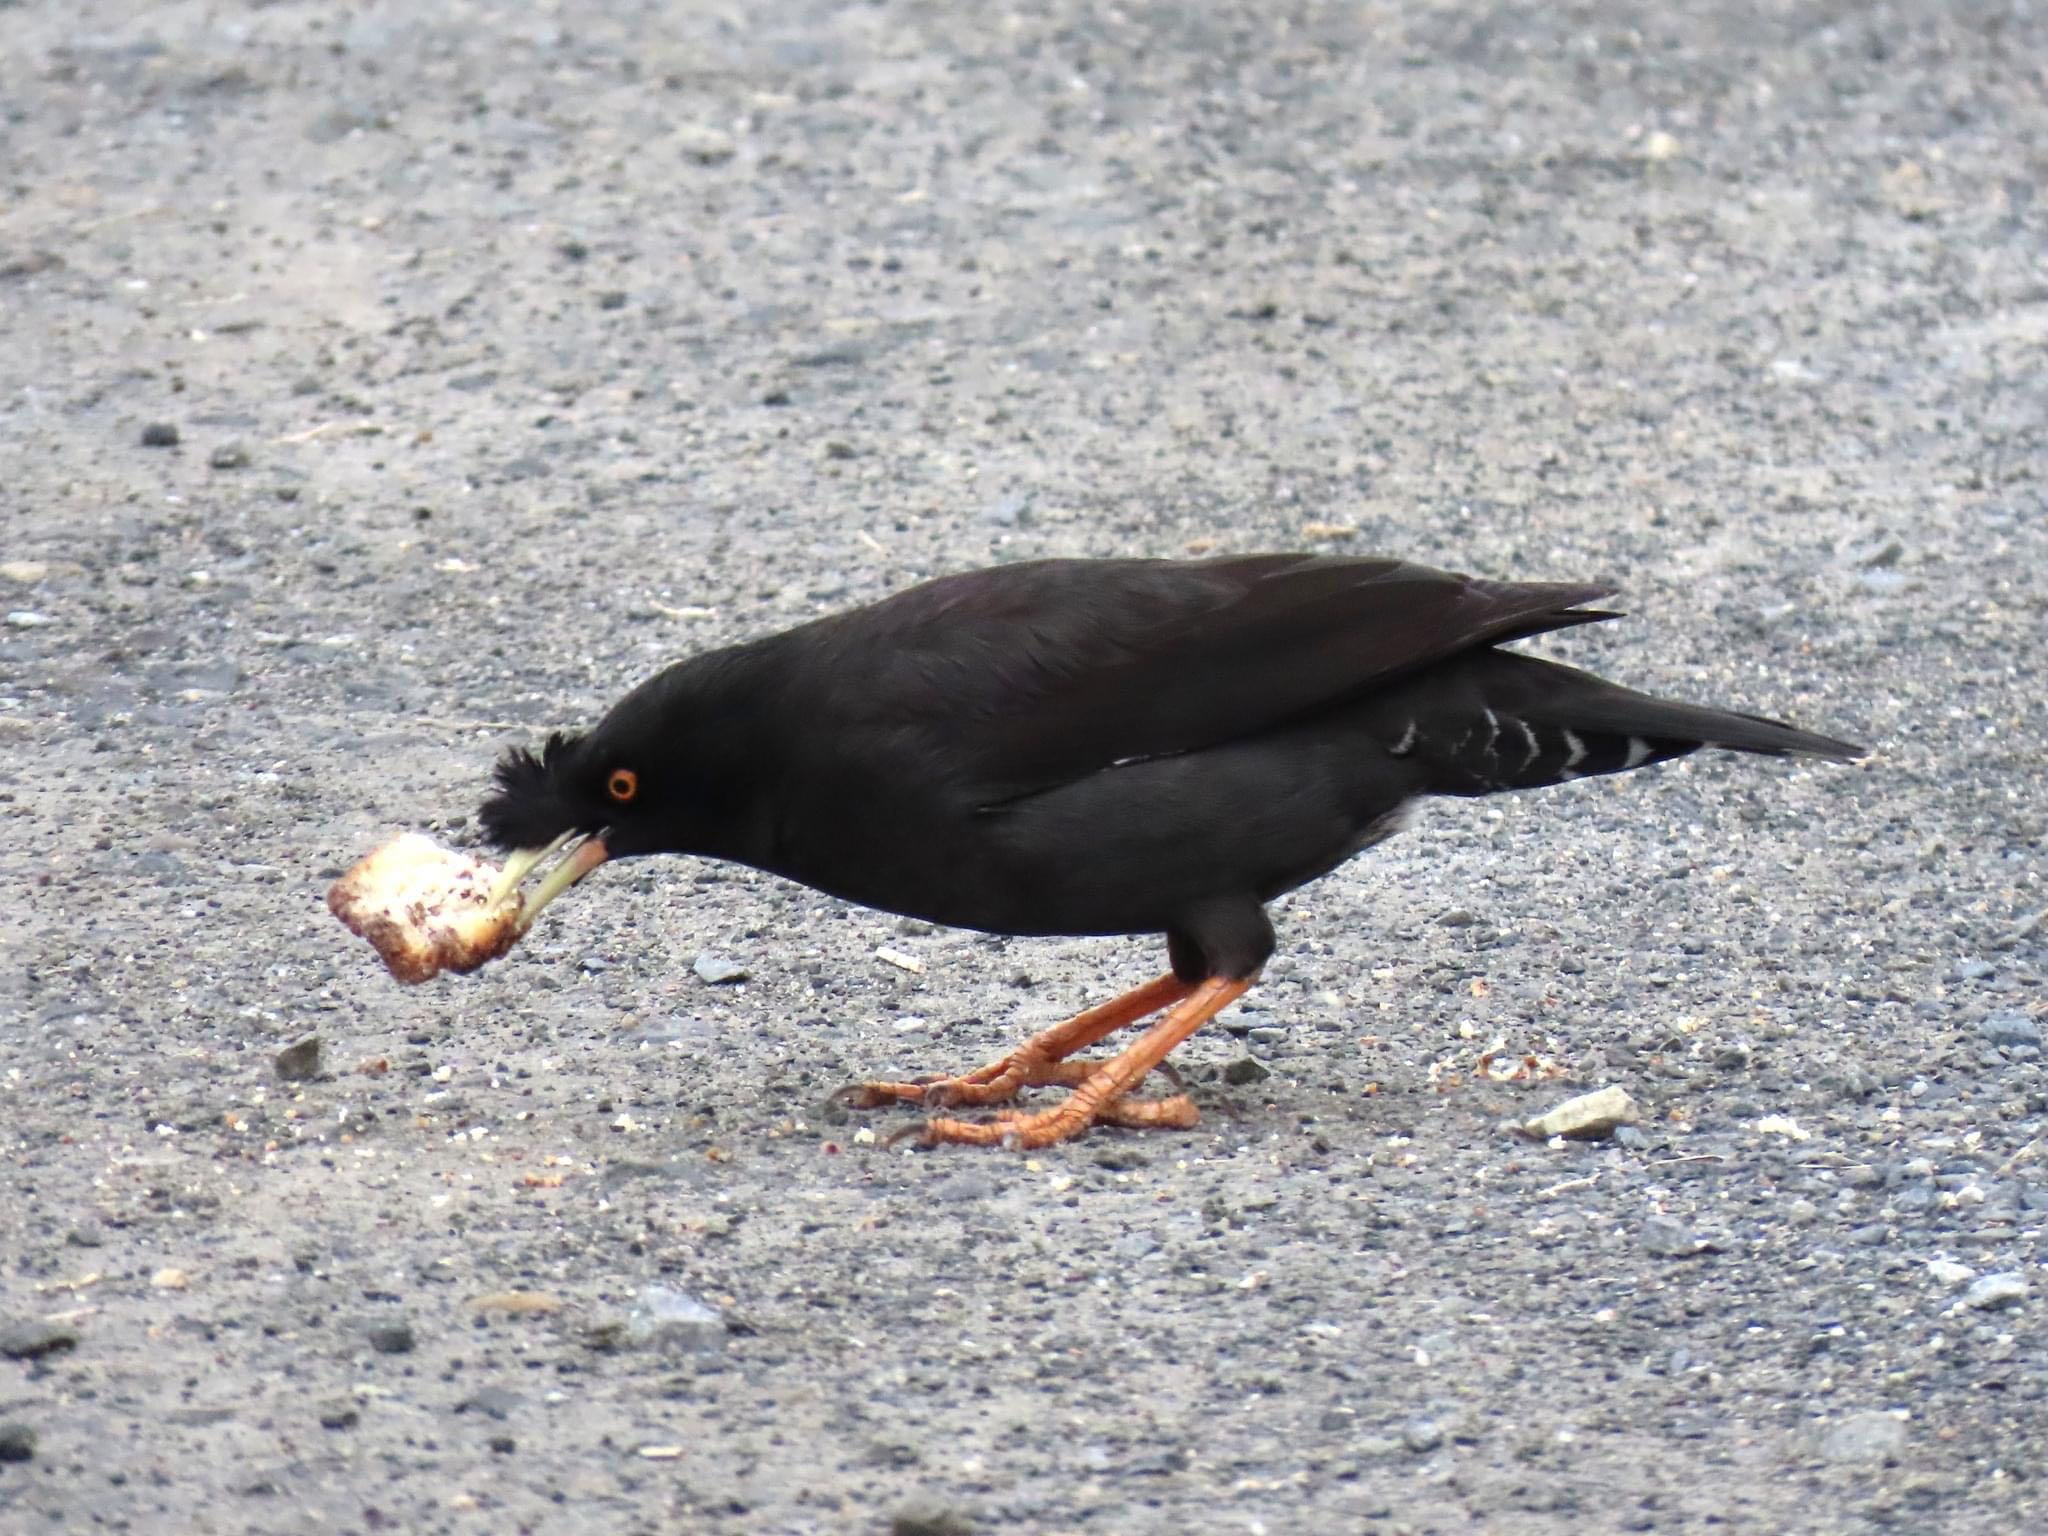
[1026, 1130]
[997, 1083]
[1038, 1062]
[1102, 1096]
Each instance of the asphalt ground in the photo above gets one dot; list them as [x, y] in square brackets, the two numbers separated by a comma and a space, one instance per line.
[381, 385]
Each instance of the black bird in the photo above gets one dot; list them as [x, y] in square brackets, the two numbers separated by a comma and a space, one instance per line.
[1098, 747]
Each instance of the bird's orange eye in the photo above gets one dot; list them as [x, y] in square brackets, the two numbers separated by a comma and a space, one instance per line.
[623, 785]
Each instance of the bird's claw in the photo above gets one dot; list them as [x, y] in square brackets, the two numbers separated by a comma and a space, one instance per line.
[917, 1132]
[883, 1095]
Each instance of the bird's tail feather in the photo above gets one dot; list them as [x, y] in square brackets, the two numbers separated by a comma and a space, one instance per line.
[1527, 723]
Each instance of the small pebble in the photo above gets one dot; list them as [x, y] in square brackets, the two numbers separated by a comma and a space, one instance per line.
[676, 1320]
[229, 456]
[298, 1062]
[17, 1442]
[491, 1402]
[31, 1341]
[160, 434]
[1422, 1435]
[717, 970]
[340, 1415]
[1245, 1070]
[930, 1520]
[392, 1338]
[1588, 1117]
[706, 146]
[1989, 1293]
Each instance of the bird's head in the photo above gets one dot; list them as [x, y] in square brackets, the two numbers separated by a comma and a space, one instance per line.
[561, 799]
[653, 776]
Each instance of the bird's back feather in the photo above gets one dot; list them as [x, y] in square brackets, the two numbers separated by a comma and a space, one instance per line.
[1037, 674]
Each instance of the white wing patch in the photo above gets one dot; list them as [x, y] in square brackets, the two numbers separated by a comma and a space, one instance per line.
[1406, 744]
[1638, 750]
[1534, 750]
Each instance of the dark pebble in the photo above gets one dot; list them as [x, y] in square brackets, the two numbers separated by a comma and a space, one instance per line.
[341, 1415]
[491, 1402]
[159, 434]
[392, 1338]
[17, 1442]
[31, 1341]
[611, 300]
[503, 1445]
[300, 1061]
[930, 1520]
[1245, 1070]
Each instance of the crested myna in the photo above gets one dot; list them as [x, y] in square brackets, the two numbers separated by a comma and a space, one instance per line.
[1098, 747]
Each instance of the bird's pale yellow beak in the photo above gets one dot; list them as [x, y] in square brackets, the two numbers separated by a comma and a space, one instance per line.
[583, 856]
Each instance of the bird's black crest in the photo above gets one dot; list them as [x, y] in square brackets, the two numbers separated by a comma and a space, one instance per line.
[529, 806]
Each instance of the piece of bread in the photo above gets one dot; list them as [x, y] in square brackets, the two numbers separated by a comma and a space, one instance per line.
[425, 908]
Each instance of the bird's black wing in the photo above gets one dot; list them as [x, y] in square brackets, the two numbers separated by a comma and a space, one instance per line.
[1030, 675]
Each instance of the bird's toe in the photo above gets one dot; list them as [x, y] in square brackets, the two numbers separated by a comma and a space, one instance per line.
[882, 1095]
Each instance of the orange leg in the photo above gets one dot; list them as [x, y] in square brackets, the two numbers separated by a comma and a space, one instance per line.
[1037, 1061]
[1100, 1097]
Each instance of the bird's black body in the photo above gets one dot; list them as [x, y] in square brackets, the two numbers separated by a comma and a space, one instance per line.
[1106, 746]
